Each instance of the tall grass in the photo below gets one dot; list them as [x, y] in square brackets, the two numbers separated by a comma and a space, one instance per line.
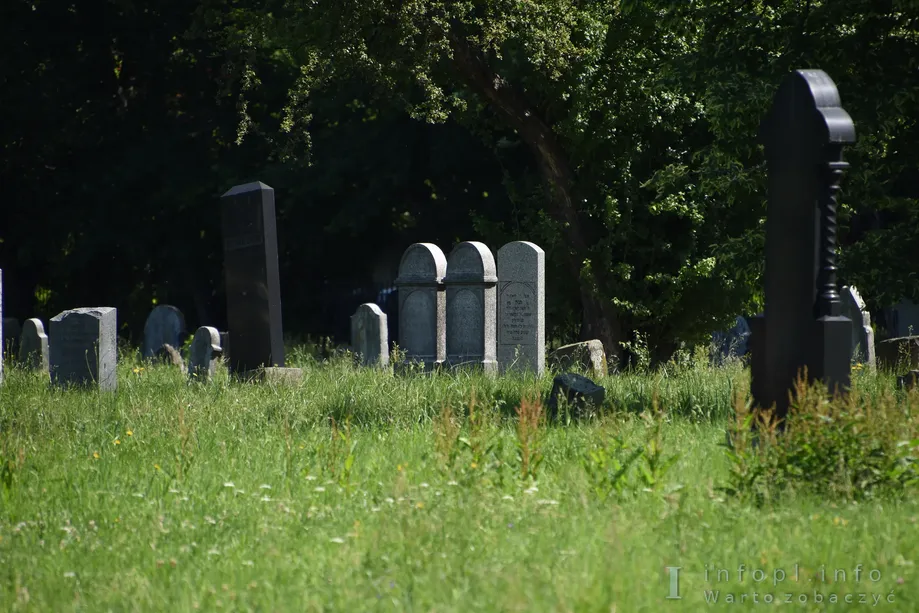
[358, 490]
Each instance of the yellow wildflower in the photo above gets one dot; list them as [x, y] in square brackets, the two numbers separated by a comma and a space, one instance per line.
[157, 467]
[474, 465]
[129, 433]
[96, 454]
[116, 442]
[420, 505]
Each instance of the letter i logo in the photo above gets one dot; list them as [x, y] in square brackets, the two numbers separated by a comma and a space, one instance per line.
[674, 572]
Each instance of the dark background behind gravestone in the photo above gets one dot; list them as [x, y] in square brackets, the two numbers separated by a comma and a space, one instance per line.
[115, 154]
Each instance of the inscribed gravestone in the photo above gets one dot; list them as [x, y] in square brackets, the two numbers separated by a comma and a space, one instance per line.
[165, 326]
[853, 307]
[802, 327]
[83, 349]
[33, 346]
[370, 335]
[521, 307]
[471, 288]
[250, 251]
[422, 305]
[203, 355]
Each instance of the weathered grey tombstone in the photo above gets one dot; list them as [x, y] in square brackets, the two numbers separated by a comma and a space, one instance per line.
[588, 356]
[83, 349]
[521, 307]
[370, 335]
[853, 307]
[471, 287]
[250, 251]
[33, 346]
[165, 326]
[802, 326]
[11, 333]
[422, 305]
[203, 355]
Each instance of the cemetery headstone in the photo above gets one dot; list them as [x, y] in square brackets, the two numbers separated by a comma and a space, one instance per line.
[471, 286]
[802, 326]
[588, 356]
[521, 307]
[168, 354]
[370, 335]
[853, 307]
[83, 349]
[250, 250]
[165, 326]
[203, 355]
[11, 333]
[732, 343]
[422, 305]
[902, 319]
[578, 392]
[33, 346]
[899, 353]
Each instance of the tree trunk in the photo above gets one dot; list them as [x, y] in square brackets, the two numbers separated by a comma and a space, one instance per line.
[601, 319]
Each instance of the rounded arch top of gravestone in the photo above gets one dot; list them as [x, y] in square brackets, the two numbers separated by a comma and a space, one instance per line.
[165, 325]
[369, 306]
[806, 115]
[471, 262]
[518, 256]
[422, 264]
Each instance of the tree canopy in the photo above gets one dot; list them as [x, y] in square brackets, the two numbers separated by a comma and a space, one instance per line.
[618, 135]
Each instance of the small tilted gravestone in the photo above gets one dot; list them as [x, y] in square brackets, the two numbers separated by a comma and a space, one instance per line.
[253, 287]
[422, 306]
[471, 287]
[204, 353]
[370, 335]
[168, 354]
[578, 392]
[521, 307]
[853, 307]
[33, 346]
[588, 356]
[83, 348]
[802, 326]
[165, 326]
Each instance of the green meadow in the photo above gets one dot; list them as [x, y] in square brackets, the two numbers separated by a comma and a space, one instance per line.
[357, 490]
